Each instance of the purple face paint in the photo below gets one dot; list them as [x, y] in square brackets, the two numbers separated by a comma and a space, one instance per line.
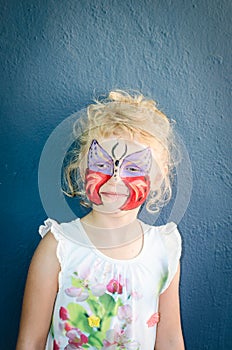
[136, 164]
[99, 160]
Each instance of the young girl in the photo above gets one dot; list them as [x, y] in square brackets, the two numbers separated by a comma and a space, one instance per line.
[108, 280]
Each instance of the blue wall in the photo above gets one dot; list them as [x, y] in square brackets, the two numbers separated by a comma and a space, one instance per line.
[57, 55]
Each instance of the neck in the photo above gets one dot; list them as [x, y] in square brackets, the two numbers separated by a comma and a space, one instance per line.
[112, 230]
[111, 220]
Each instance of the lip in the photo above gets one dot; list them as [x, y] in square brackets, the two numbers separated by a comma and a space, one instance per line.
[113, 194]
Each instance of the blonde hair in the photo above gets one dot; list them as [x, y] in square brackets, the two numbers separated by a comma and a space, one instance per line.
[133, 115]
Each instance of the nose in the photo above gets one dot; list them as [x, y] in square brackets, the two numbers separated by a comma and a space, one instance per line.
[115, 178]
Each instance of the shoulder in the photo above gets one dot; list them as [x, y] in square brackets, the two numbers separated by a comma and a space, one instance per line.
[67, 236]
[45, 261]
[171, 236]
[59, 230]
[168, 234]
[48, 241]
[47, 247]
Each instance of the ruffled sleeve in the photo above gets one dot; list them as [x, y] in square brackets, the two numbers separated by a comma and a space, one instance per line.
[55, 228]
[172, 241]
[50, 225]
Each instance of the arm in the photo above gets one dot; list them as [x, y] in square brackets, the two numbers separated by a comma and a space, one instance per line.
[169, 333]
[40, 293]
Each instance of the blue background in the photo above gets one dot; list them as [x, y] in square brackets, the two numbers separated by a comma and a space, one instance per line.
[55, 57]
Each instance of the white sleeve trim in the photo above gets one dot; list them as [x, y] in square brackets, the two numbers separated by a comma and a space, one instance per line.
[55, 228]
[50, 225]
[172, 241]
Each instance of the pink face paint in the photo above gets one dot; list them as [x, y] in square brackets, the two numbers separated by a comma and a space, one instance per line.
[139, 188]
[93, 182]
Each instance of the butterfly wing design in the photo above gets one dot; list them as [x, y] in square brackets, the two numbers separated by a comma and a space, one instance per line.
[134, 172]
[99, 171]
[99, 160]
[136, 164]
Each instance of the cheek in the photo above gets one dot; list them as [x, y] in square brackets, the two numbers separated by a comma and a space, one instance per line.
[139, 188]
[93, 182]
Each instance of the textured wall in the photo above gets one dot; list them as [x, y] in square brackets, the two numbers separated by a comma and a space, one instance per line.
[55, 55]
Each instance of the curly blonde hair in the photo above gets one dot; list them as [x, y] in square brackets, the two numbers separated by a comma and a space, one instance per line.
[131, 114]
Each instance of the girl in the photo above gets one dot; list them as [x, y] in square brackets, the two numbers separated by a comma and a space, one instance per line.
[108, 280]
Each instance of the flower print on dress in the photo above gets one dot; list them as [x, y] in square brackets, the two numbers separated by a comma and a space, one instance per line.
[132, 292]
[119, 338]
[67, 326]
[84, 272]
[98, 289]
[125, 313]
[55, 345]
[88, 319]
[153, 320]
[63, 313]
[114, 286]
[94, 321]
[76, 339]
[80, 294]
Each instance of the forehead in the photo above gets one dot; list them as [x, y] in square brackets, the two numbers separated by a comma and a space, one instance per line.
[116, 146]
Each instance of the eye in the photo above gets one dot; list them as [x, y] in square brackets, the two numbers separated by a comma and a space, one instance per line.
[132, 169]
[102, 165]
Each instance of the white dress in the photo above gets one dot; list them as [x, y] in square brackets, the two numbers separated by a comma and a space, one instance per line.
[104, 303]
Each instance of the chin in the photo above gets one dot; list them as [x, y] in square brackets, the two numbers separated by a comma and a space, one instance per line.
[115, 211]
[106, 210]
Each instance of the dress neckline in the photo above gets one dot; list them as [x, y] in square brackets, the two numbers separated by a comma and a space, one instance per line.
[144, 229]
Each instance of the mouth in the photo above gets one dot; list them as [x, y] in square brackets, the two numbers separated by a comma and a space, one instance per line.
[113, 194]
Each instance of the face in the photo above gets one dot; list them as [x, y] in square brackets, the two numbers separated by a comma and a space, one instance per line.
[118, 174]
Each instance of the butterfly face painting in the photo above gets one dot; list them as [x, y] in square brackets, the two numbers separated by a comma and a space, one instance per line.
[132, 169]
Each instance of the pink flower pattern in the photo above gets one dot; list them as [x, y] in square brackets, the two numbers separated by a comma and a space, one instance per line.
[63, 313]
[81, 294]
[55, 346]
[118, 338]
[76, 339]
[114, 286]
[153, 320]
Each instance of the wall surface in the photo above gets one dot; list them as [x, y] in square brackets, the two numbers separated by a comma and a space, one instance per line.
[55, 57]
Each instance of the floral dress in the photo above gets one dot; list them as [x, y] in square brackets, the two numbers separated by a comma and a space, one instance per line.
[104, 303]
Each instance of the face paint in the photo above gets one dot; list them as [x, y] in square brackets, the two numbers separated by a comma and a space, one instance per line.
[93, 183]
[99, 171]
[139, 188]
[134, 173]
